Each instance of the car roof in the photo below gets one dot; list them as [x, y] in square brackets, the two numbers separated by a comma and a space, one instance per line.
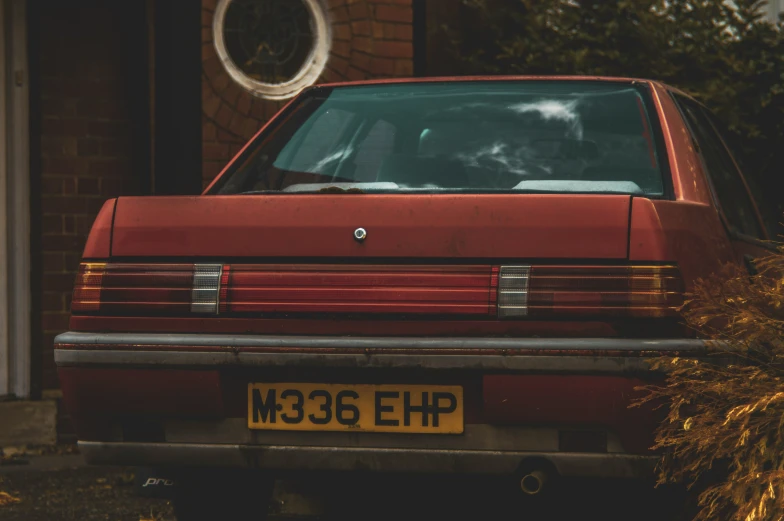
[450, 79]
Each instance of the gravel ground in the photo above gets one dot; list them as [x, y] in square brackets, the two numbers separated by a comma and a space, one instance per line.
[83, 494]
[48, 492]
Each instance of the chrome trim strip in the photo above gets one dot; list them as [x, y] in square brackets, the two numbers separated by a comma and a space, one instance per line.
[283, 457]
[340, 342]
[562, 364]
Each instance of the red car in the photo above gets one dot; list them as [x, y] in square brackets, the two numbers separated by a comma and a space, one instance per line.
[444, 275]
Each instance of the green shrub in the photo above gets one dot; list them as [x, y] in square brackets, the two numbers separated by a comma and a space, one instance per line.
[728, 57]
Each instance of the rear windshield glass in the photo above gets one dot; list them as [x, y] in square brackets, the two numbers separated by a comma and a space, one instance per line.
[486, 137]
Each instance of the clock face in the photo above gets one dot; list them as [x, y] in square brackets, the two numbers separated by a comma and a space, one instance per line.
[269, 40]
[273, 48]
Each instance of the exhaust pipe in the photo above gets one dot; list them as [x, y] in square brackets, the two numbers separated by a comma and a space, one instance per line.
[532, 483]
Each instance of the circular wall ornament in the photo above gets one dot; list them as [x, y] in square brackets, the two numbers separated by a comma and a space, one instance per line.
[272, 48]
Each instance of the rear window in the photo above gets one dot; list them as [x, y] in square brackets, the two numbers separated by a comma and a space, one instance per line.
[481, 137]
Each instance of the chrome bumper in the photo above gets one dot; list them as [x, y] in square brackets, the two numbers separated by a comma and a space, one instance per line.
[560, 355]
[283, 457]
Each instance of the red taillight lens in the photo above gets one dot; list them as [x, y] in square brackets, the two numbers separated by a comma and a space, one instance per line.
[131, 288]
[465, 290]
[539, 292]
[611, 291]
[87, 290]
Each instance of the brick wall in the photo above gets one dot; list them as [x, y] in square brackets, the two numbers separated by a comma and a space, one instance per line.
[85, 143]
[371, 39]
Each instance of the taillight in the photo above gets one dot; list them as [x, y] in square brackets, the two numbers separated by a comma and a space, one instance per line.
[133, 288]
[87, 290]
[506, 292]
[439, 290]
[609, 291]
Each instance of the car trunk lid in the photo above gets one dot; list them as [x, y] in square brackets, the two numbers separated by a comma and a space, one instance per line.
[410, 228]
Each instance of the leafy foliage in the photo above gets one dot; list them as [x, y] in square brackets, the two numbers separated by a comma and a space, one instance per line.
[725, 54]
[730, 415]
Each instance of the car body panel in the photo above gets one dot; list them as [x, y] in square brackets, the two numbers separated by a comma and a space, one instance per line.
[470, 226]
[172, 391]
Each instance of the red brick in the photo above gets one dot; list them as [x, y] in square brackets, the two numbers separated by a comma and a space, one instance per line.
[357, 11]
[339, 14]
[60, 204]
[58, 281]
[339, 64]
[354, 74]
[58, 146]
[361, 27]
[360, 61]
[209, 4]
[243, 103]
[257, 110]
[117, 148]
[55, 321]
[109, 167]
[117, 129]
[63, 127]
[53, 301]
[223, 116]
[52, 185]
[69, 185]
[65, 165]
[92, 108]
[206, 18]
[331, 76]
[220, 82]
[403, 32]
[88, 147]
[394, 13]
[237, 125]
[60, 107]
[389, 49]
[404, 68]
[69, 224]
[215, 151]
[341, 32]
[225, 136]
[362, 43]
[212, 66]
[206, 34]
[231, 94]
[378, 30]
[211, 106]
[53, 262]
[52, 224]
[208, 131]
[207, 51]
[382, 66]
[72, 260]
[88, 186]
[340, 49]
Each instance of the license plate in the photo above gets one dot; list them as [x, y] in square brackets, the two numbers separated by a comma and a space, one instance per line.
[431, 409]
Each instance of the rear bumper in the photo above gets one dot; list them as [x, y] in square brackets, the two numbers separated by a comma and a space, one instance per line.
[530, 355]
[283, 457]
[523, 395]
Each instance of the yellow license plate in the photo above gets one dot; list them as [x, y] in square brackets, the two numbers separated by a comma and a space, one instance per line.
[432, 409]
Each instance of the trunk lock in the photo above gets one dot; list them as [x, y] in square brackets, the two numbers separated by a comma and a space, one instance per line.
[360, 234]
